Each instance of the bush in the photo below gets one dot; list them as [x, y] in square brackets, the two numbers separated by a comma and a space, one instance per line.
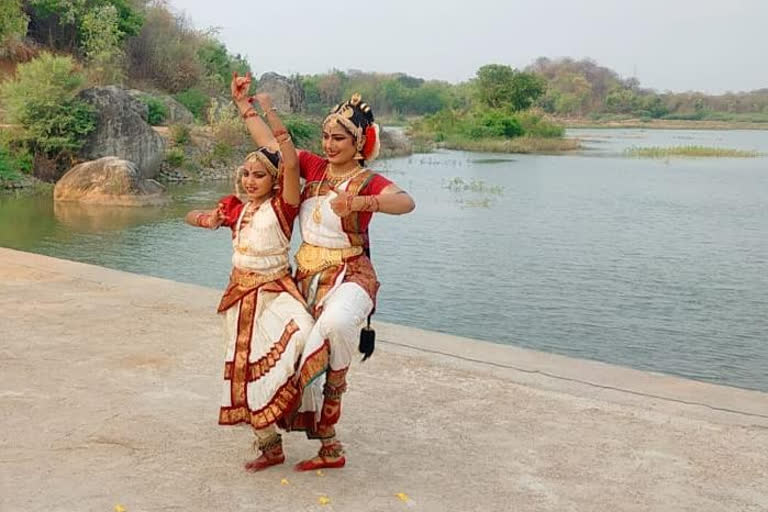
[226, 126]
[158, 111]
[305, 134]
[175, 157]
[222, 152]
[196, 102]
[42, 100]
[14, 158]
[180, 134]
[495, 123]
[536, 125]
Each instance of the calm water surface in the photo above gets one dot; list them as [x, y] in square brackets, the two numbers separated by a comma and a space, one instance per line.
[656, 264]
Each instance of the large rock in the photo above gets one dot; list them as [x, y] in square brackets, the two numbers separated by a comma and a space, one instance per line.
[287, 93]
[109, 181]
[177, 113]
[394, 143]
[122, 130]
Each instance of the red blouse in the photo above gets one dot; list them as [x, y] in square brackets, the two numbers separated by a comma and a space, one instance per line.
[286, 213]
[313, 168]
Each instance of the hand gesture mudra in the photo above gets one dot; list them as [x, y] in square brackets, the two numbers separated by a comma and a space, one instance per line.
[239, 86]
[342, 203]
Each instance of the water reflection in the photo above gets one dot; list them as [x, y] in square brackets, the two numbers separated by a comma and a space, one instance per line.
[92, 218]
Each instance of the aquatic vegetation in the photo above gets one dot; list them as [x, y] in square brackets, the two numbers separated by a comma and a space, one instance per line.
[458, 184]
[474, 193]
[689, 151]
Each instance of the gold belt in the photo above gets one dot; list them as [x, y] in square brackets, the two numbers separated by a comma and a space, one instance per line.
[250, 279]
[312, 258]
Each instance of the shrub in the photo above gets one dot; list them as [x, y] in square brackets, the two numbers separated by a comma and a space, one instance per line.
[305, 134]
[196, 102]
[226, 126]
[175, 157]
[537, 125]
[158, 110]
[180, 134]
[222, 152]
[42, 100]
[14, 158]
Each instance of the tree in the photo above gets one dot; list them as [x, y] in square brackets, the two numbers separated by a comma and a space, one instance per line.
[59, 23]
[500, 86]
[13, 23]
[101, 43]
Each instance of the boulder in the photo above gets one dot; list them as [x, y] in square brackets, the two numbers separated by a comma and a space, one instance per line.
[287, 93]
[394, 143]
[109, 181]
[122, 130]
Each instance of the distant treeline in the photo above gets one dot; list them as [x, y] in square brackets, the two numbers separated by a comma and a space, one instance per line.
[572, 88]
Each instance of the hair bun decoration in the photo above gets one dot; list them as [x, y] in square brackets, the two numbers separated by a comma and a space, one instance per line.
[372, 142]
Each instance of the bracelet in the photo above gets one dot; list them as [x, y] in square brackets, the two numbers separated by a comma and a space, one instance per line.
[371, 204]
[283, 139]
[278, 133]
[348, 204]
[247, 112]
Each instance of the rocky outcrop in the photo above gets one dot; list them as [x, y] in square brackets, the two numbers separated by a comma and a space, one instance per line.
[394, 143]
[109, 181]
[122, 130]
[177, 113]
[287, 93]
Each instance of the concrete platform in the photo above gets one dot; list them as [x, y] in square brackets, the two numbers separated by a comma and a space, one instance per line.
[109, 385]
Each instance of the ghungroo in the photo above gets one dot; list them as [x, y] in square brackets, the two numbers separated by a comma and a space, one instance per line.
[268, 443]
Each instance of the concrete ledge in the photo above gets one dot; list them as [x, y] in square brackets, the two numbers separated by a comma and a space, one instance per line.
[109, 385]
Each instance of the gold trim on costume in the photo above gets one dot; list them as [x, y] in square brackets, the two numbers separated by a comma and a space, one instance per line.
[250, 279]
[313, 259]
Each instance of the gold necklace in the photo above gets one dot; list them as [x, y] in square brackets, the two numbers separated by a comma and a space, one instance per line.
[316, 215]
[335, 181]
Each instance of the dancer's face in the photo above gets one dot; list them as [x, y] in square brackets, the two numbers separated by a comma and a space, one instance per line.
[338, 144]
[256, 181]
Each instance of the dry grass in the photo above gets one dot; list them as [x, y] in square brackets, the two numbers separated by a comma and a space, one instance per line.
[516, 145]
[689, 151]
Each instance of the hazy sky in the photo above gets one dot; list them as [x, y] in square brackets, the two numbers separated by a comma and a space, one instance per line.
[678, 45]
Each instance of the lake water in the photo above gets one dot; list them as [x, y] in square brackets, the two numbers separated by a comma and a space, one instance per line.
[655, 264]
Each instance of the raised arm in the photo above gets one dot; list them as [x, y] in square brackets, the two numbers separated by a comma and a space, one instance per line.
[258, 129]
[290, 159]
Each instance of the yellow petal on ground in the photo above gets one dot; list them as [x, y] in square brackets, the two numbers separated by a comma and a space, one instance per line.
[402, 496]
[119, 508]
[320, 472]
[323, 500]
[284, 481]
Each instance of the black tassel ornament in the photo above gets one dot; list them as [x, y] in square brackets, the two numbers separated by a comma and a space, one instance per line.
[367, 340]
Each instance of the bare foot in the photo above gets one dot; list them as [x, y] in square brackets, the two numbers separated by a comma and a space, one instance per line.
[263, 462]
[320, 463]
